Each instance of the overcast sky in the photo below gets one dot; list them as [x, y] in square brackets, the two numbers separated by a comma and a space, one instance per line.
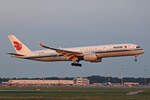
[72, 23]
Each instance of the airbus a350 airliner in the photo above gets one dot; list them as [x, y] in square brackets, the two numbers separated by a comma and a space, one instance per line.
[90, 53]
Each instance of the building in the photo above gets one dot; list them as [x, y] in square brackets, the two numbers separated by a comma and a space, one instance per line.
[96, 85]
[117, 85]
[41, 82]
[131, 84]
[74, 82]
[81, 82]
[4, 84]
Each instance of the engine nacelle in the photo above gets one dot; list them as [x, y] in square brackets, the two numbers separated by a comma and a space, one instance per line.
[92, 58]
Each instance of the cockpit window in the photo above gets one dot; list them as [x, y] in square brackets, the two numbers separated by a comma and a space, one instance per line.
[137, 46]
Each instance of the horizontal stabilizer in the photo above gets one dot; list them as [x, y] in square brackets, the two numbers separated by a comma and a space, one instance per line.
[14, 54]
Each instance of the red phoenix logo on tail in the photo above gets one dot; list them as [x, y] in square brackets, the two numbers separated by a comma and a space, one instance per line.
[17, 45]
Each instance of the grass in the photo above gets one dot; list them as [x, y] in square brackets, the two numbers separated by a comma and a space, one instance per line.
[55, 93]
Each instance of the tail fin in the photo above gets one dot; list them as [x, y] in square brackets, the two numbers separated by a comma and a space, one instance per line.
[18, 45]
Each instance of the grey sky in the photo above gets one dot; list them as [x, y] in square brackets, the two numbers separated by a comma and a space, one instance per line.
[71, 23]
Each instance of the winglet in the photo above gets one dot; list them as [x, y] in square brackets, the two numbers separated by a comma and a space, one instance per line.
[42, 45]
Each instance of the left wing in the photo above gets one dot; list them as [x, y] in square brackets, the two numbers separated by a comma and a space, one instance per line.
[74, 56]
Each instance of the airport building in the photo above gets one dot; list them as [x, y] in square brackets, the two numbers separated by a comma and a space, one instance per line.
[81, 82]
[131, 84]
[74, 82]
[41, 82]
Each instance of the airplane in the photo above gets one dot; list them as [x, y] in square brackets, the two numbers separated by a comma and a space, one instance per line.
[93, 54]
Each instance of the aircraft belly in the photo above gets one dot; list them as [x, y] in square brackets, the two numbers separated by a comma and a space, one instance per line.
[117, 54]
[51, 59]
[100, 54]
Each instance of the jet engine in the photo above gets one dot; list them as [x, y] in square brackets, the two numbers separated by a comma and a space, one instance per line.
[92, 58]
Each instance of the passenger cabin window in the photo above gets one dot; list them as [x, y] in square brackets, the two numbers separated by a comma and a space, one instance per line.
[117, 47]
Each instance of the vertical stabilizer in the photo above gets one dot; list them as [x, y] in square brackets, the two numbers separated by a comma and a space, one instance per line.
[18, 45]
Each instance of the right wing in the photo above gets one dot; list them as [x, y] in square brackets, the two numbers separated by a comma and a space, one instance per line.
[74, 56]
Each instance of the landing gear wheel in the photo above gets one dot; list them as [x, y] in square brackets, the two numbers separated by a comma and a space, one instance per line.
[76, 64]
[135, 59]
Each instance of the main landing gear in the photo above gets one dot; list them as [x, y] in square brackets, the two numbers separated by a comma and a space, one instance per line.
[76, 64]
[135, 58]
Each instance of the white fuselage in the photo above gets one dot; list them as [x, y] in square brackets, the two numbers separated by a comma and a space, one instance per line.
[90, 53]
[100, 51]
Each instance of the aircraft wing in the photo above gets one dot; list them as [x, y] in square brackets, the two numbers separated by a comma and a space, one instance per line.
[70, 54]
